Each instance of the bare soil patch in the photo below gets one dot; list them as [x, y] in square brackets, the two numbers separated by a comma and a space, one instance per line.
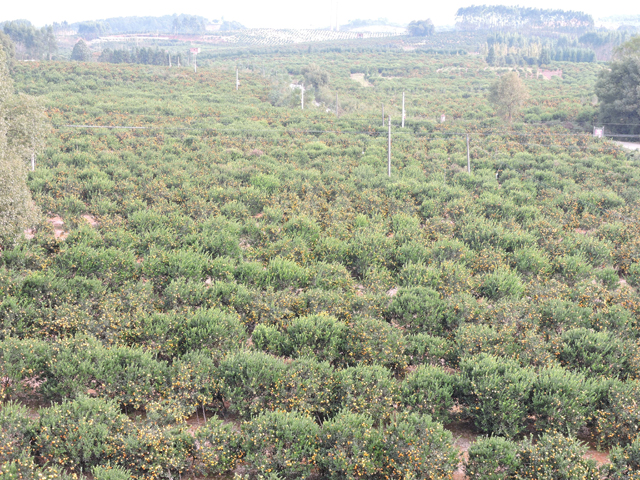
[359, 77]
[58, 227]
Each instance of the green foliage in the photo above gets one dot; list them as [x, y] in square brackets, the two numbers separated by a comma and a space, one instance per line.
[615, 99]
[423, 348]
[250, 380]
[599, 353]
[492, 458]
[17, 210]
[220, 448]
[283, 443]
[421, 28]
[368, 389]
[496, 391]
[16, 429]
[499, 284]
[229, 224]
[132, 376]
[410, 446]
[617, 418]
[551, 457]
[420, 309]
[110, 473]
[81, 52]
[310, 388]
[428, 390]
[625, 462]
[561, 401]
[508, 95]
[82, 433]
[555, 457]
[315, 75]
[151, 451]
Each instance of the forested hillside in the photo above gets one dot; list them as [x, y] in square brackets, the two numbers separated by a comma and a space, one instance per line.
[227, 284]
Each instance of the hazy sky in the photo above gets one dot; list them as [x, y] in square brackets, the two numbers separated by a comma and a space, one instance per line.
[284, 13]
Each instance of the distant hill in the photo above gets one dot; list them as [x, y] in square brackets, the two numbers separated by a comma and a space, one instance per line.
[167, 23]
[381, 25]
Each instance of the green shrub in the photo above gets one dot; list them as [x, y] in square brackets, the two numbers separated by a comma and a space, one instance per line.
[370, 341]
[194, 381]
[320, 336]
[561, 401]
[472, 340]
[82, 433]
[410, 446]
[308, 387]
[428, 390]
[532, 261]
[555, 457]
[25, 468]
[282, 273]
[419, 309]
[598, 353]
[617, 418]
[210, 329]
[423, 348]
[156, 452]
[625, 462]
[219, 447]
[561, 315]
[22, 360]
[270, 339]
[492, 458]
[496, 391]
[74, 367]
[131, 376]
[369, 389]
[16, 429]
[499, 284]
[111, 473]
[572, 267]
[633, 274]
[609, 278]
[331, 276]
[249, 381]
[285, 443]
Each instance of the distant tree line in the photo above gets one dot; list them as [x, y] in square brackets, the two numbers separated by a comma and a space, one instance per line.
[184, 24]
[515, 49]
[501, 17]
[30, 43]
[145, 56]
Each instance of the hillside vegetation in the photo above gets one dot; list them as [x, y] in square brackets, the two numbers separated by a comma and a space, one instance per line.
[237, 260]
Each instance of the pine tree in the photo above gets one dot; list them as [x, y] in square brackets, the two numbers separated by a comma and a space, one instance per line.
[81, 52]
[491, 57]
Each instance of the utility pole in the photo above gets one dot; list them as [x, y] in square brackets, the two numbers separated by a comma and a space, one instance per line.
[468, 157]
[195, 52]
[33, 162]
[402, 109]
[169, 55]
[389, 151]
